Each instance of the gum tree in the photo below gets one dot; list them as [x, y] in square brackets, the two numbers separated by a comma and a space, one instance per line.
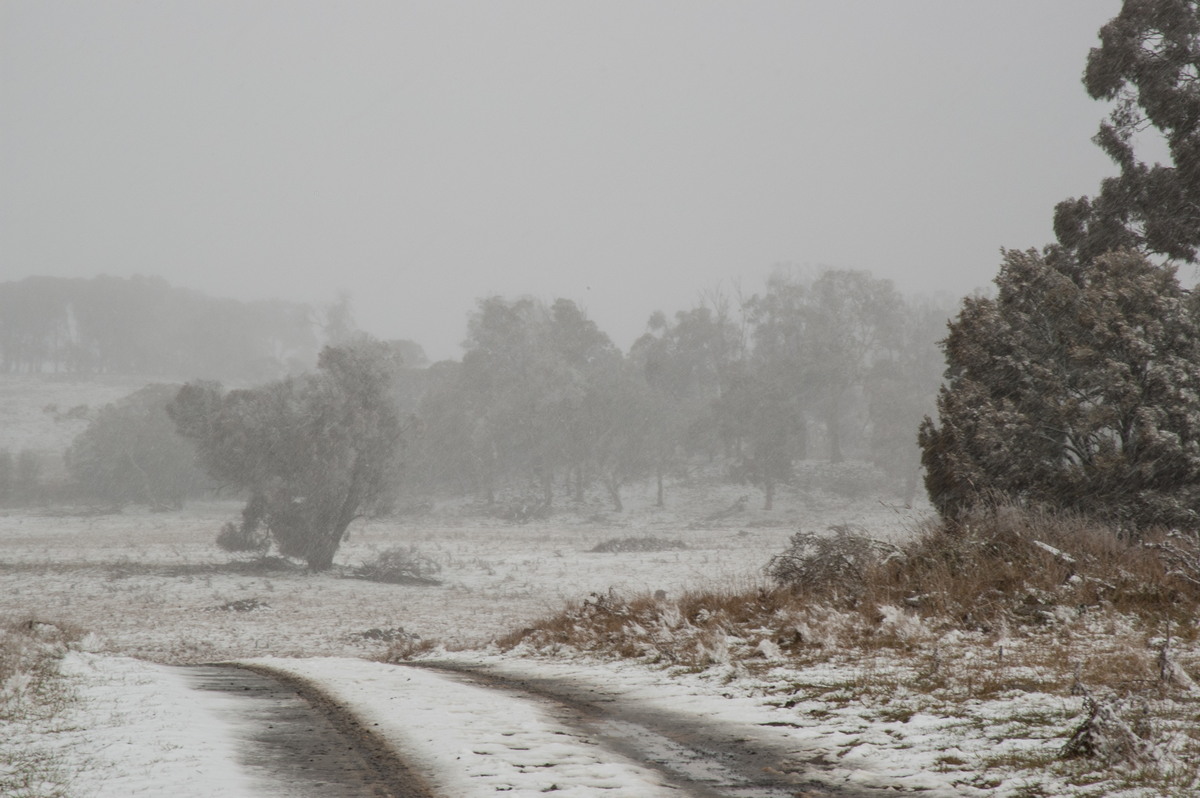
[313, 453]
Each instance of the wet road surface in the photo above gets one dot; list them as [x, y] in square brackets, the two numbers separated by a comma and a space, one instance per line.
[295, 743]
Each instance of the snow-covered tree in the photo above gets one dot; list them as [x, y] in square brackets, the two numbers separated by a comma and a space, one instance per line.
[313, 452]
[1148, 66]
[1072, 389]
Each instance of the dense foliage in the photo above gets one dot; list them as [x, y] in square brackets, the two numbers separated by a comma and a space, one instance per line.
[1077, 392]
[1078, 386]
[131, 453]
[313, 452]
[1148, 65]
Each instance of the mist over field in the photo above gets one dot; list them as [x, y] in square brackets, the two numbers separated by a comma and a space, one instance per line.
[768, 398]
[624, 157]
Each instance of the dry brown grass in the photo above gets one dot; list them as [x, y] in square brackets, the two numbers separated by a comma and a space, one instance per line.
[32, 697]
[1007, 570]
[1013, 604]
[29, 652]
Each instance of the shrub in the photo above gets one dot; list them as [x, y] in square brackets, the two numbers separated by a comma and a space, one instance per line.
[837, 563]
[522, 509]
[29, 653]
[241, 538]
[400, 566]
[648, 544]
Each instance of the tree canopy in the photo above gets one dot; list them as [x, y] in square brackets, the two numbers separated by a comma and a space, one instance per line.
[131, 453]
[313, 452]
[1073, 393]
[1148, 66]
[1078, 386]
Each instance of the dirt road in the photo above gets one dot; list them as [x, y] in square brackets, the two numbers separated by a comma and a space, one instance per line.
[703, 760]
[297, 742]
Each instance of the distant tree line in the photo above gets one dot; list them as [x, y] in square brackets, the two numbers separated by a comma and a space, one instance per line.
[143, 325]
[20, 478]
[838, 367]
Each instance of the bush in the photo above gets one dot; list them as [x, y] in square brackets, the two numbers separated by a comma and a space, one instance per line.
[29, 655]
[400, 566]
[839, 563]
[522, 509]
[638, 544]
[241, 538]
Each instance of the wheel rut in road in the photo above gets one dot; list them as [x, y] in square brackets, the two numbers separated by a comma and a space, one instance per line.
[703, 760]
[297, 743]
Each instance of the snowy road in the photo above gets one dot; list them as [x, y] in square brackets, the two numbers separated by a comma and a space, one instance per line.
[700, 758]
[466, 732]
[291, 743]
[468, 728]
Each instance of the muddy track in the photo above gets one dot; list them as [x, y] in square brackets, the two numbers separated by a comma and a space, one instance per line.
[302, 743]
[703, 760]
[305, 743]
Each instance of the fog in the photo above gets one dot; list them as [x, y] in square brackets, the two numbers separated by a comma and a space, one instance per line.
[624, 155]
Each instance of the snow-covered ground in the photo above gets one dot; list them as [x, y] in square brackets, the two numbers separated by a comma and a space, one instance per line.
[151, 589]
[153, 585]
[136, 728]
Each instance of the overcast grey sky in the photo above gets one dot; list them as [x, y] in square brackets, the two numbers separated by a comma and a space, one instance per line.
[626, 155]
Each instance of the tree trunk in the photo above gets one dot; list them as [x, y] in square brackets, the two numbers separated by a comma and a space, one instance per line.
[614, 492]
[833, 429]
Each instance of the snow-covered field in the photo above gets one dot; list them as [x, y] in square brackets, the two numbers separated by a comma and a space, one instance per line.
[36, 412]
[153, 585]
[152, 589]
[148, 590]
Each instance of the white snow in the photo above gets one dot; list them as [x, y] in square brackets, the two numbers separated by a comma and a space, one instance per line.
[469, 741]
[151, 586]
[138, 729]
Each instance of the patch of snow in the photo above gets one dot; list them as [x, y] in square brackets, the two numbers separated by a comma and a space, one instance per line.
[139, 730]
[470, 741]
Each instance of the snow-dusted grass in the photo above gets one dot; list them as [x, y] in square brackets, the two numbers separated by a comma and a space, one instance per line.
[152, 584]
[977, 656]
[33, 701]
[869, 698]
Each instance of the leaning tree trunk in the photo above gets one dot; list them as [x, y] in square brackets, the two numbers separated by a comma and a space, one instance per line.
[614, 492]
[321, 551]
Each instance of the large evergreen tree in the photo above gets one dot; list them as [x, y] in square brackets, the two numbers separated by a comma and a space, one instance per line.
[1078, 386]
[1072, 391]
